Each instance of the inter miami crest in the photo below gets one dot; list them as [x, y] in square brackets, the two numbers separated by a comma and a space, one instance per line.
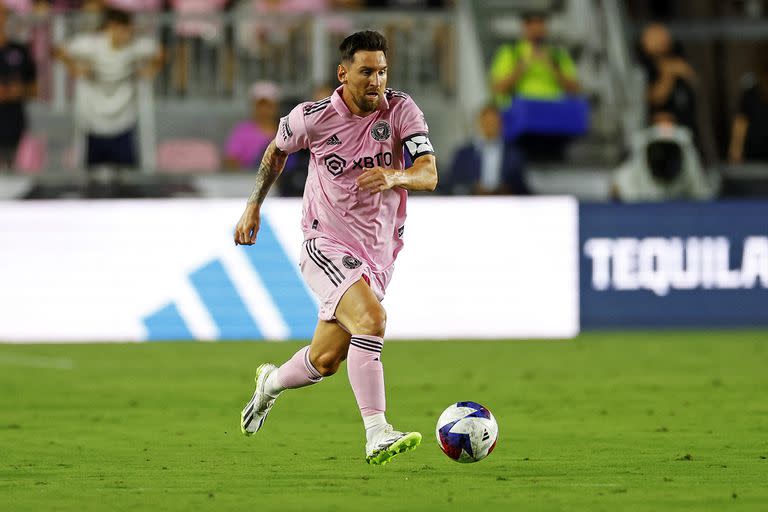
[351, 262]
[380, 131]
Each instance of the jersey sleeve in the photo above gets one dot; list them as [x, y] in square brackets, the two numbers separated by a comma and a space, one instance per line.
[292, 133]
[414, 131]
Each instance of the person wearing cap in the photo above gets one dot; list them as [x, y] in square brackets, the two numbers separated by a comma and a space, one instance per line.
[532, 68]
[248, 140]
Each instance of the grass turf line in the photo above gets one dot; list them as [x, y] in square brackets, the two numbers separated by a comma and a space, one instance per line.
[610, 421]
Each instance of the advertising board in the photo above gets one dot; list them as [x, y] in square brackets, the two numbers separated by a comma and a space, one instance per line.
[169, 270]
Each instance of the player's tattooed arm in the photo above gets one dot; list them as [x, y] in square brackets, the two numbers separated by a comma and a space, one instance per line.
[271, 166]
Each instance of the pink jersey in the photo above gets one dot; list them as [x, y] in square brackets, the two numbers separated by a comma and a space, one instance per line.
[343, 146]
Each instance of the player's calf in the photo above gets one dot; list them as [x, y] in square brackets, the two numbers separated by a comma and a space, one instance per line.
[327, 362]
[297, 372]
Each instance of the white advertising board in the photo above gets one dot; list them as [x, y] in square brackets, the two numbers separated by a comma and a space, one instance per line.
[158, 269]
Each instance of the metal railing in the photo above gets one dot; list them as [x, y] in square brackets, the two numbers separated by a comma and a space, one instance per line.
[626, 74]
[211, 60]
[219, 55]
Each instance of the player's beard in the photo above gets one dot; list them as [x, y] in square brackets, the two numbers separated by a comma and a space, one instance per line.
[366, 104]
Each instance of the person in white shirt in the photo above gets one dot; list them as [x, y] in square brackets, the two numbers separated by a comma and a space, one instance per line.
[109, 63]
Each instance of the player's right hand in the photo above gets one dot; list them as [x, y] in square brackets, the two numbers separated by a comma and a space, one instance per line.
[248, 226]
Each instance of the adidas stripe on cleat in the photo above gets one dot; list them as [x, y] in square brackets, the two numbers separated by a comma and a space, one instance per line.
[255, 412]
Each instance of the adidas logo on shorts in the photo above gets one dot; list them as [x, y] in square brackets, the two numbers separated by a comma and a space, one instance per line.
[333, 140]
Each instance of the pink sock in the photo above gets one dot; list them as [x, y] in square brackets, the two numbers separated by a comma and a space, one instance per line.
[366, 373]
[297, 372]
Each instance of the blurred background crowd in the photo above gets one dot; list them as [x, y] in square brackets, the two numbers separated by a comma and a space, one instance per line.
[607, 100]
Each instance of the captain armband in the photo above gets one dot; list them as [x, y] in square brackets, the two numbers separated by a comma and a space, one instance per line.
[418, 145]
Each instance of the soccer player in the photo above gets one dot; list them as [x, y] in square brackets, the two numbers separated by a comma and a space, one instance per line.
[353, 222]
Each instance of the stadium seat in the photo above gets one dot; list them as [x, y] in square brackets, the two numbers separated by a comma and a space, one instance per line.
[32, 154]
[568, 116]
[137, 5]
[19, 6]
[188, 156]
[198, 18]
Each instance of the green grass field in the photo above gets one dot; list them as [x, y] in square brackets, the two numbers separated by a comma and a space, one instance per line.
[645, 421]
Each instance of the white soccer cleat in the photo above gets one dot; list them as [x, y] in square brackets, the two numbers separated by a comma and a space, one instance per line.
[388, 443]
[255, 412]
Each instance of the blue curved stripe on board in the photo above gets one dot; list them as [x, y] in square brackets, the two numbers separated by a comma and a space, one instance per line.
[167, 324]
[283, 282]
[226, 307]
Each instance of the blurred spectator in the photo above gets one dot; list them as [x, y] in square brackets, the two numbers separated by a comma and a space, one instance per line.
[17, 84]
[407, 4]
[535, 70]
[18, 6]
[670, 79]
[248, 140]
[532, 68]
[749, 132]
[198, 29]
[663, 165]
[486, 164]
[262, 34]
[137, 6]
[108, 64]
[434, 38]
[322, 91]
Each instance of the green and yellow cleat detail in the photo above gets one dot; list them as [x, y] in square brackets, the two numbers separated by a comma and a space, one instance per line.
[255, 412]
[407, 443]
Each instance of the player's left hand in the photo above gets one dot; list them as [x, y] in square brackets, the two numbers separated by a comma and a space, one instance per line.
[377, 179]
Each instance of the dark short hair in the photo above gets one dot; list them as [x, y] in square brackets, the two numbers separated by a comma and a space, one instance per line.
[117, 16]
[366, 40]
[534, 15]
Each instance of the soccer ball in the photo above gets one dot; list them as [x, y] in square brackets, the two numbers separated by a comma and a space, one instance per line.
[467, 432]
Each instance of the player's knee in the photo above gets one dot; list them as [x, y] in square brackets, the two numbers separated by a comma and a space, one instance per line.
[372, 323]
[327, 363]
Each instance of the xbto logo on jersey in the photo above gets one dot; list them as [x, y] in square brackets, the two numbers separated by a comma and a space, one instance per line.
[335, 164]
[377, 160]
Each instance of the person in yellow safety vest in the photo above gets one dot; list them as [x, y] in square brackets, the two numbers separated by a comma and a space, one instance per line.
[532, 68]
